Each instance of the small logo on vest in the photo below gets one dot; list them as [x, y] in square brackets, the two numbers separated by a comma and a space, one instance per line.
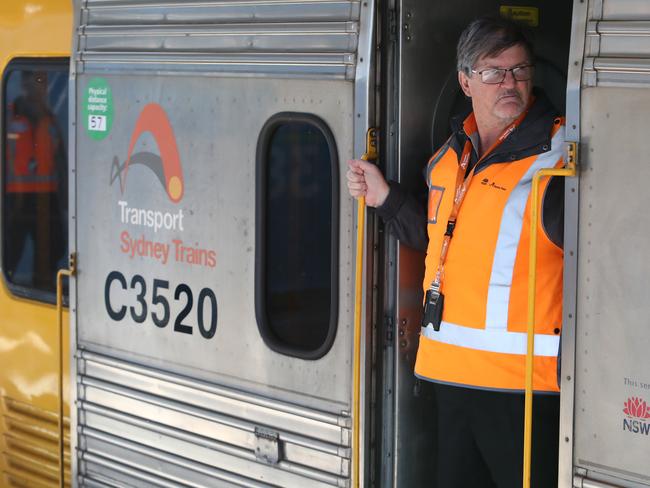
[435, 198]
[491, 184]
[637, 412]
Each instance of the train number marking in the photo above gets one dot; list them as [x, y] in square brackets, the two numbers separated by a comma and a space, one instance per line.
[159, 307]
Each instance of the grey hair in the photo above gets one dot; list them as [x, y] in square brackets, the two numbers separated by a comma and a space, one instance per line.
[488, 37]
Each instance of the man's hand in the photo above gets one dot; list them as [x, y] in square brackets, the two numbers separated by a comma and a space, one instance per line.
[365, 179]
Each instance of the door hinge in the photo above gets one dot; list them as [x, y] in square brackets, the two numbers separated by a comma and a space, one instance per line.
[267, 445]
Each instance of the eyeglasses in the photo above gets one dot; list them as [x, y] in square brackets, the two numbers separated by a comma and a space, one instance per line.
[492, 76]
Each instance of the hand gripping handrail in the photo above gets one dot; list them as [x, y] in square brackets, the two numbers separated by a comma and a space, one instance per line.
[59, 310]
[369, 155]
[568, 170]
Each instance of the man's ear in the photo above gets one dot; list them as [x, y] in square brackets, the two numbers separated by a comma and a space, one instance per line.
[463, 81]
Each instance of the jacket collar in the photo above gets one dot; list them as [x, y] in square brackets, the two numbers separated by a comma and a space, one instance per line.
[532, 136]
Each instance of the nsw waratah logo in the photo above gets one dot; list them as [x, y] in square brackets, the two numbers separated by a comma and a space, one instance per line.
[636, 408]
[166, 165]
[637, 413]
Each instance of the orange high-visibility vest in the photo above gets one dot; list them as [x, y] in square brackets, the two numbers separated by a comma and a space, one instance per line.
[31, 165]
[482, 338]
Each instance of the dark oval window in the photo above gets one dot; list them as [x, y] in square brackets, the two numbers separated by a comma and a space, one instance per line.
[297, 222]
[35, 165]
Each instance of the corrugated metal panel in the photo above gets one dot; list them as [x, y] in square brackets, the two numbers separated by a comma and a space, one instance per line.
[141, 424]
[30, 445]
[280, 37]
[319, 65]
[617, 49]
[101, 12]
[625, 9]
[316, 38]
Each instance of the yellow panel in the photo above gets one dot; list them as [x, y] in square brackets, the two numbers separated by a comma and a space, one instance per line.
[28, 329]
[524, 15]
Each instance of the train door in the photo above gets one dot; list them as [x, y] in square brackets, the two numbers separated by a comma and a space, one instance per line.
[605, 421]
[421, 96]
[213, 304]
[33, 235]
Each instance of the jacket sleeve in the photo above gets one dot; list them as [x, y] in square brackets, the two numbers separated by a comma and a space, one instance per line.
[405, 217]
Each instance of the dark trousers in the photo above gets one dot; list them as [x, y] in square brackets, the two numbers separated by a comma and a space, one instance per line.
[480, 438]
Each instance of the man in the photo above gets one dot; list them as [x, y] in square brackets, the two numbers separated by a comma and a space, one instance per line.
[473, 340]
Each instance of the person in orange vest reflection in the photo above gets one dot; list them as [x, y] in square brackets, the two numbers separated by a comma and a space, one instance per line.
[34, 153]
[475, 230]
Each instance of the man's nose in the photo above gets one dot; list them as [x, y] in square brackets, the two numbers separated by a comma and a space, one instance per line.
[509, 80]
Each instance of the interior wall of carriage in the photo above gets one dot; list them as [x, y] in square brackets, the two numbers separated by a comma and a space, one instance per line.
[425, 97]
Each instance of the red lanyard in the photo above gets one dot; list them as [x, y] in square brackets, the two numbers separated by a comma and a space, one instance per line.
[462, 184]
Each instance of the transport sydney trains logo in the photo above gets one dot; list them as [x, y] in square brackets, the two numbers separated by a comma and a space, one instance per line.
[166, 165]
[637, 416]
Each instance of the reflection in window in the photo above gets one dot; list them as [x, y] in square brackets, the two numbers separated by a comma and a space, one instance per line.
[300, 175]
[34, 225]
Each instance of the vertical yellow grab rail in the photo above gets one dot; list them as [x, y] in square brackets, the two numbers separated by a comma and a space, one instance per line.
[568, 170]
[369, 155]
[59, 310]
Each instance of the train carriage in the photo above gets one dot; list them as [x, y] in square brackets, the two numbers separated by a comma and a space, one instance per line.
[184, 162]
[35, 48]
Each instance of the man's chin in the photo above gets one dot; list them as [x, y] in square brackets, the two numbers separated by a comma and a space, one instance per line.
[509, 111]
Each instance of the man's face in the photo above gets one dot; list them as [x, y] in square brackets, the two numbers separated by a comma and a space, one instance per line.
[496, 105]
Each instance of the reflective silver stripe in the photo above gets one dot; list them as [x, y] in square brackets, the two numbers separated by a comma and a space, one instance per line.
[492, 340]
[496, 314]
[31, 179]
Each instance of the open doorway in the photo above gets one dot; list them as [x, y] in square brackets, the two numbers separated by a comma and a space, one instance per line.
[421, 95]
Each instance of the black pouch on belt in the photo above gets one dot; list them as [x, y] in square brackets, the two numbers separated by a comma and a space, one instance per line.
[433, 304]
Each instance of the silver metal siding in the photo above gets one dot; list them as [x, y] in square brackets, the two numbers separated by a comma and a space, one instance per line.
[571, 201]
[99, 12]
[625, 9]
[314, 38]
[141, 420]
[617, 48]
[138, 424]
[238, 358]
[611, 334]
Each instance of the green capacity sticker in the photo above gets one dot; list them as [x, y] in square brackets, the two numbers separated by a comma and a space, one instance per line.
[98, 109]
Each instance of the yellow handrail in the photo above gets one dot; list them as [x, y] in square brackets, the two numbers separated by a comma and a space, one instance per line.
[568, 170]
[59, 310]
[356, 374]
[370, 154]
